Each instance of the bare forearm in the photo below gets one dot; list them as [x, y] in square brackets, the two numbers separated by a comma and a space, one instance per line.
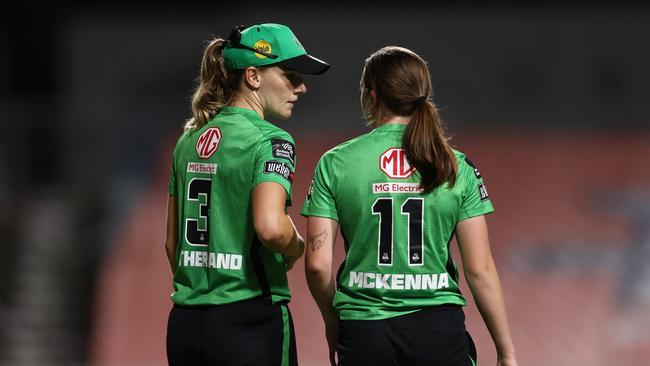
[283, 237]
[321, 286]
[488, 295]
[296, 246]
[321, 236]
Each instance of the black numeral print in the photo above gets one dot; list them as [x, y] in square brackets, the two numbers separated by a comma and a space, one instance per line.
[197, 231]
[414, 209]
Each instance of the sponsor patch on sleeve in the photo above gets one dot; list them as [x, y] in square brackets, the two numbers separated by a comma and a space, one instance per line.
[283, 149]
[282, 169]
[311, 189]
[476, 172]
[483, 192]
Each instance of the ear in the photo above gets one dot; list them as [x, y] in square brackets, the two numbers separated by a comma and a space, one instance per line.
[252, 78]
[373, 97]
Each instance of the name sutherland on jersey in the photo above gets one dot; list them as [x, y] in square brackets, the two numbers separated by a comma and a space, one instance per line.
[399, 281]
[210, 260]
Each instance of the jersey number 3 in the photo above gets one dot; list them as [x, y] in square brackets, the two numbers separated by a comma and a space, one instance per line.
[414, 209]
[197, 231]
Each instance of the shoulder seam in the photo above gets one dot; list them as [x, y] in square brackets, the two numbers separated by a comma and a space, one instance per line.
[251, 120]
[347, 143]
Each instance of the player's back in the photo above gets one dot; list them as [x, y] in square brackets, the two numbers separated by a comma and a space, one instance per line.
[397, 239]
[220, 259]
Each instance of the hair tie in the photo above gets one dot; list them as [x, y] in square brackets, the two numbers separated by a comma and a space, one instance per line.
[420, 100]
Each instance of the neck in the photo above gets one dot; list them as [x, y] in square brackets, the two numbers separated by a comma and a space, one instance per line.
[249, 101]
[388, 119]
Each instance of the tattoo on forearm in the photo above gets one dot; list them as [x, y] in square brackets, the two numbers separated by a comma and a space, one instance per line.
[316, 241]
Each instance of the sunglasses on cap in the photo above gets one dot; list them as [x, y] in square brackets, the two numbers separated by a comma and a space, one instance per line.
[234, 41]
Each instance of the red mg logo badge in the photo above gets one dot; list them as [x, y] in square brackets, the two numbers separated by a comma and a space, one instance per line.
[208, 142]
[394, 164]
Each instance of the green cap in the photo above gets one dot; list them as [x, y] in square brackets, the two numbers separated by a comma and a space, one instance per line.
[269, 44]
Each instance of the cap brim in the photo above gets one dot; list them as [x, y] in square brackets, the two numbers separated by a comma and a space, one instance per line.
[305, 64]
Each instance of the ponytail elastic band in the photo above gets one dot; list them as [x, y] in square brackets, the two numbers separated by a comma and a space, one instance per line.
[420, 100]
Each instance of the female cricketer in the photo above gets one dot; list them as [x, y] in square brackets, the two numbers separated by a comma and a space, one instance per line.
[229, 238]
[399, 195]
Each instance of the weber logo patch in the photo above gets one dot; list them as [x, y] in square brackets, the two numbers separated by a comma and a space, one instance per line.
[483, 192]
[283, 149]
[279, 168]
[476, 172]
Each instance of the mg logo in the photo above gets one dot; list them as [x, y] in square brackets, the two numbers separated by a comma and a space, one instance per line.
[394, 164]
[208, 142]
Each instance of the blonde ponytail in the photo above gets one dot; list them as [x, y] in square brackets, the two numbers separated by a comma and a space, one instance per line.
[215, 88]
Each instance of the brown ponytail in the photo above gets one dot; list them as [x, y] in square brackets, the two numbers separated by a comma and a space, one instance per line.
[215, 88]
[402, 83]
[426, 148]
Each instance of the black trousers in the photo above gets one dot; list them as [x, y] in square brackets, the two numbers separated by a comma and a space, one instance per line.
[433, 336]
[251, 332]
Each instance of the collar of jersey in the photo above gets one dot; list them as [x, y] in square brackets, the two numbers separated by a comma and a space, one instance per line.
[231, 110]
[391, 127]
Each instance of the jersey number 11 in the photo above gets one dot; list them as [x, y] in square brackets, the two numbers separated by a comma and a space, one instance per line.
[414, 209]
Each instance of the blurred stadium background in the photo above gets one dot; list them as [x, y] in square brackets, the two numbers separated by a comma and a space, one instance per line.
[549, 100]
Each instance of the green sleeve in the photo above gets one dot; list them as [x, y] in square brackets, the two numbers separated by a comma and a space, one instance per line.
[320, 199]
[476, 200]
[275, 161]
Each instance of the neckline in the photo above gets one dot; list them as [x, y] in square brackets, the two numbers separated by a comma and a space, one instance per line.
[391, 127]
[233, 109]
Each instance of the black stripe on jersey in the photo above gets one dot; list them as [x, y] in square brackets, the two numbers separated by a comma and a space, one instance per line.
[339, 273]
[476, 172]
[451, 269]
[260, 273]
[346, 243]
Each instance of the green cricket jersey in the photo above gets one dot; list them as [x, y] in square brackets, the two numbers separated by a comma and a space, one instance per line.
[397, 240]
[219, 257]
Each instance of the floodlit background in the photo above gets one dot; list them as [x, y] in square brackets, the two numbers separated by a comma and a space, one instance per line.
[550, 102]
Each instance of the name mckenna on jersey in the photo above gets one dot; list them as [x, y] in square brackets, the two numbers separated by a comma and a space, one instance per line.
[399, 281]
[210, 260]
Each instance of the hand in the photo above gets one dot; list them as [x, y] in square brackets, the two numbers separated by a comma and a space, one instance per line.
[290, 260]
[507, 361]
[332, 335]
